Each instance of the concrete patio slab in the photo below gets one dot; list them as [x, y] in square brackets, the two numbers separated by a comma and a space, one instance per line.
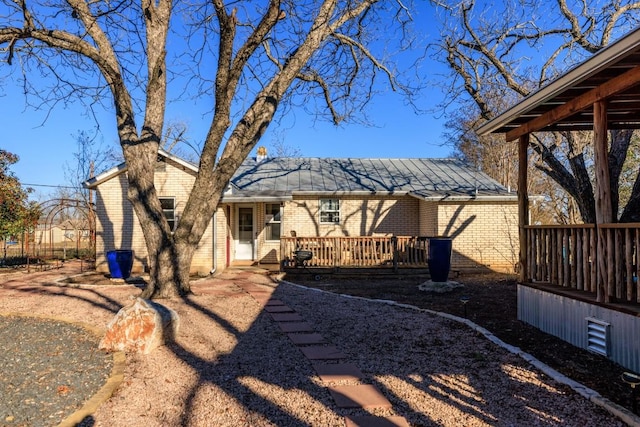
[358, 396]
[330, 372]
[320, 352]
[306, 339]
[371, 421]
[296, 327]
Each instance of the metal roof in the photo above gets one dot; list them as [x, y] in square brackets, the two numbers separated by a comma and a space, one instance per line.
[280, 178]
[603, 67]
[435, 179]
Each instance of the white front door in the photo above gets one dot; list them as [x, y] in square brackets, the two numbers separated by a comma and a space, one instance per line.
[244, 242]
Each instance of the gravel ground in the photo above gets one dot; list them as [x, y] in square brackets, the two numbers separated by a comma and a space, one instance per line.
[438, 372]
[48, 370]
[231, 365]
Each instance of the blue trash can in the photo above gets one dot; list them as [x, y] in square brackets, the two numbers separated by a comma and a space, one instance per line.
[120, 263]
[439, 258]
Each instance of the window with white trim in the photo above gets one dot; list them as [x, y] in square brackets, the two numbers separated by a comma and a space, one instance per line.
[273, 220]
[169, 210]
[329, 211]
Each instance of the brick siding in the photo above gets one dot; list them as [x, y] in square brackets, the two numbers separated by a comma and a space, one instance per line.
[118, 226]
[485, 234]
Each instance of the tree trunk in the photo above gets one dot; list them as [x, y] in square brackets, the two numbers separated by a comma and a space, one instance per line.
[619, 147]
[169, 257]
[631, 211]
[169, 275]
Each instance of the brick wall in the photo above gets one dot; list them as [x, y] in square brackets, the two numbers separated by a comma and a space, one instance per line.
[118, 227]
[223, 231]
[368, 216]
[268, 250]
[428, 212]
[484, 233]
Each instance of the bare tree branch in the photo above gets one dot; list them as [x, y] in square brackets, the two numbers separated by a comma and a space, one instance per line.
[489, 55]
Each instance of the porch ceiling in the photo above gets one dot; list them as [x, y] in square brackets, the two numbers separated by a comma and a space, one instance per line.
[611, 75]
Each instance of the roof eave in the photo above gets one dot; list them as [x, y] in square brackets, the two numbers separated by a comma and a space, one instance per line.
[467, 198]
[589, 67]
[349, 193]
[255, 199]
[92, 183]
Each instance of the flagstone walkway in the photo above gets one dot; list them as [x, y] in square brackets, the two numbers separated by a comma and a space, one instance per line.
[344, 381]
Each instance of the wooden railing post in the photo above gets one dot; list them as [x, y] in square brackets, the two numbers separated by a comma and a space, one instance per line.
[394, 248]
[523, 205]
[604, 213]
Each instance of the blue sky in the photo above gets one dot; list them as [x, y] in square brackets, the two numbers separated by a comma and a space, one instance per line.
[44, 140]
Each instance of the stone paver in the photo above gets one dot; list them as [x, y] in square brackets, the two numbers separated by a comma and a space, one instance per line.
[286, 317]
[306, 339]
[319, 352]
[295, 327]
[358, 396]
[302, 334]
[331, 372]
[278, 309]
[371, 421]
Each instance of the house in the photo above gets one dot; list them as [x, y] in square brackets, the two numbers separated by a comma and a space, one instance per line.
[271, 199]
[66, 232]
[580, 281]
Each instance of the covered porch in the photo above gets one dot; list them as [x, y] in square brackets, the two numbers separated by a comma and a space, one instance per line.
[361, 251]
[565, 257]
[580, 281]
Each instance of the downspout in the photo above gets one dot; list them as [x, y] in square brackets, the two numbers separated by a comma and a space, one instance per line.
[215, 242]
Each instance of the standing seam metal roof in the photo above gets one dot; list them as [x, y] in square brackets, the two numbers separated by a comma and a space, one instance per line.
[427, 178]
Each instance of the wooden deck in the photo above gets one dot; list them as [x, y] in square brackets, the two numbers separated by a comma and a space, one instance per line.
[365, 252]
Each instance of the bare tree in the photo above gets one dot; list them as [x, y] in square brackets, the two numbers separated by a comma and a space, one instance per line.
[501, 52]
[91, 157]
[244, 58]
[494, 156]
[280, 148]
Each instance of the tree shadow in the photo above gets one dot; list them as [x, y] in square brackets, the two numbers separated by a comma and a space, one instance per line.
[454, 376]
[261, 340]
[405, 353]
[55, 291]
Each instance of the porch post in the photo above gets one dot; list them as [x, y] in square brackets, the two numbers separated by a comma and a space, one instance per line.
[523, 205]
[604, 215]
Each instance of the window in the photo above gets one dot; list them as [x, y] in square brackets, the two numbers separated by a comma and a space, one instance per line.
[329, 211]
[169, 210]
[273, 218]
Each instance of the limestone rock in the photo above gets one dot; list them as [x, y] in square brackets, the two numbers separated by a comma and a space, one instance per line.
[140, 327]
[439, 287]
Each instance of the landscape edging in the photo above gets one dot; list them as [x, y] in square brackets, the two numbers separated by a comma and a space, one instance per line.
[593, 396]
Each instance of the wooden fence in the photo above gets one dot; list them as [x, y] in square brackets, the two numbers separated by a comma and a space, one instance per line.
[367, 251]
[567, 256]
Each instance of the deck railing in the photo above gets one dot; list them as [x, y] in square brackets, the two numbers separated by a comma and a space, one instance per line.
[364, 251]
[567, 256]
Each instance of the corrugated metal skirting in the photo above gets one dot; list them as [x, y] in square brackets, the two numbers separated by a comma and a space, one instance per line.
[566, 318]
